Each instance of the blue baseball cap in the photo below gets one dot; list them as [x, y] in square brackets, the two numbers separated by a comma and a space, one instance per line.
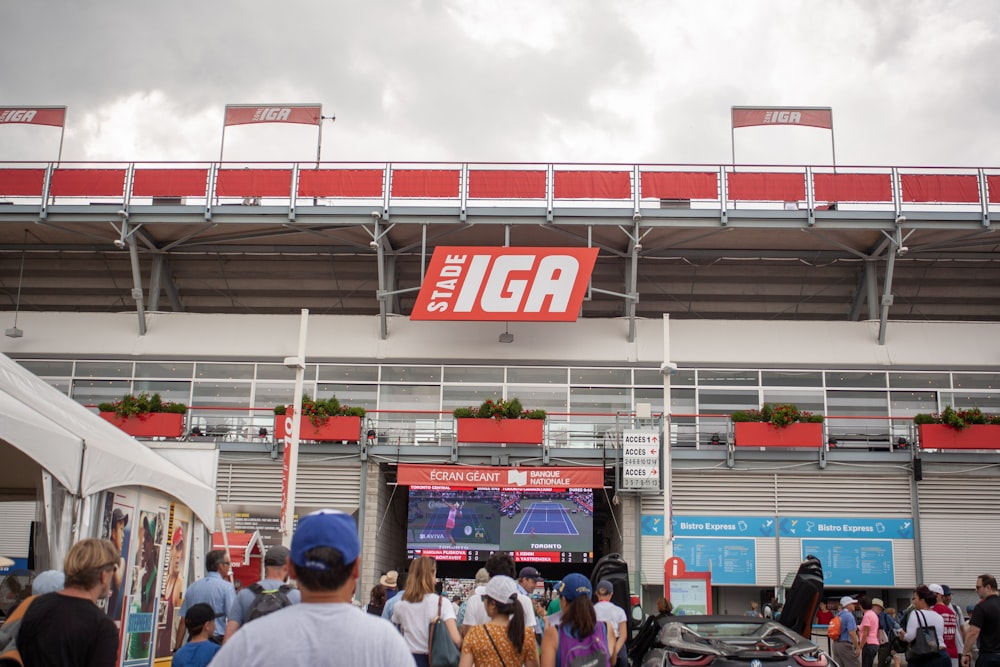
[325, 528]
[573, 586]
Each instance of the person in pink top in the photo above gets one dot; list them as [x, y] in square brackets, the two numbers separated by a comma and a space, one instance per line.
[868, 632]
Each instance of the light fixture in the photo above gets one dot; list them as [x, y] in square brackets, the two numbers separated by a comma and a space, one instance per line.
[14, 332]
[506, 336]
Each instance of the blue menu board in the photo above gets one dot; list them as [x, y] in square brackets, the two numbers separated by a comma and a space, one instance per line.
[730, 560]
[853, 562]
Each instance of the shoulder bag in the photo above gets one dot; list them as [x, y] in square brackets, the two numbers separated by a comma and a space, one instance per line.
[441, 650]
[925, 644]
[9, 655]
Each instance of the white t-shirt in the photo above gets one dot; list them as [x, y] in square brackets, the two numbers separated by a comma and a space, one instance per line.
[931, 618]
[415, 618]
[610, 612]
[309, 634]
[475, 611]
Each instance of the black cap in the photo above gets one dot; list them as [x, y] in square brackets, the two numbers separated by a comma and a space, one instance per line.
[198, 615]
[119, 517]
[276, 556]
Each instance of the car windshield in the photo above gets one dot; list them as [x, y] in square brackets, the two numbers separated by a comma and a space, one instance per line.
[743, 639]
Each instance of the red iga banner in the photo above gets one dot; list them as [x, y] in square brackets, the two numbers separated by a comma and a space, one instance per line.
[807, 116]
[504, 478]
[54, 116]
[246, 114]
[505, 284]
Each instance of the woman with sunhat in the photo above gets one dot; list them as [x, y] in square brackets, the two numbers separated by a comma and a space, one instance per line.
[577, 625]
[504, 640]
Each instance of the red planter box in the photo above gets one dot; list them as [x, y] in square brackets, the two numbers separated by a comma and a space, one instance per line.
[764, 434]
[510, 431]
[333, 429]
[974, 436]
[149, 425]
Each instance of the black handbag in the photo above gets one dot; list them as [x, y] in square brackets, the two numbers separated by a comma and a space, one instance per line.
[925, 645]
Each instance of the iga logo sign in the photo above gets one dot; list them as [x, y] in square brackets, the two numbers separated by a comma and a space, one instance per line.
[17, 115]
[505, 284]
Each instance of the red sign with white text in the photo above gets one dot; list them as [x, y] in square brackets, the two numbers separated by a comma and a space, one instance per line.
[497, 477]
[807, 116]
[54, 116]
[505, 284]
[245, 114]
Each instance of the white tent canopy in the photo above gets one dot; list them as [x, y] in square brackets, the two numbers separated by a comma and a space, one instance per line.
[83, 452]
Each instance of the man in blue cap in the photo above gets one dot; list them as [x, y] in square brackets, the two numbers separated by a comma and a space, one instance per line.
[325, 628]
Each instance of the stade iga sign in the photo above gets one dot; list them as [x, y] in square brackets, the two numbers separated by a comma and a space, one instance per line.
[505, 284]
[496, 477]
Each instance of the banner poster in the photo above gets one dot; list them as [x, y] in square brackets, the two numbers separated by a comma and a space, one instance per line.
[144, 593]
[174, 579]
[117, 522]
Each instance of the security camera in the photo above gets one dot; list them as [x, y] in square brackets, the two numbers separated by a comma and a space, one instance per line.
[637, 216]
[900, 219]
[638, 247]
[902, 250]
[120, 244]
[668, 368]
[373, 243]
[122, 213]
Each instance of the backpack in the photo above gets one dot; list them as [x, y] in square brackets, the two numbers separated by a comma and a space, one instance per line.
[267, 601]
[9, 655]
[833, 630]
[590, 651]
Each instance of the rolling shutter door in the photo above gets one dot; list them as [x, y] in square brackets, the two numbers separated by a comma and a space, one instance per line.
[319, 484]
[15, 527]
[652, 545]
[958, 528]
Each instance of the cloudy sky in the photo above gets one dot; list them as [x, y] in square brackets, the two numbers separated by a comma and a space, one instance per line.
[911, 82]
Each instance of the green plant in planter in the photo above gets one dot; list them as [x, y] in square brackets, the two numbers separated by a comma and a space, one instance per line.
[502, 409]
[780, 415]
[320, 410]
[141, 404]
[957, 419]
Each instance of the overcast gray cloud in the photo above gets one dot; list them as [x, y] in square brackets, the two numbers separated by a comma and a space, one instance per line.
[909, 81]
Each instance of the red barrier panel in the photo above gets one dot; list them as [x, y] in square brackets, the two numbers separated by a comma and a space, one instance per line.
[88, 183]
[506, 184]
[254, 183]
[22, 182]
[993, 184]
[765, 186]
[340, 182]
[593, 185]
[169, 182]
[852, 187]
[425, 183]
[680, 185]
[940, 188]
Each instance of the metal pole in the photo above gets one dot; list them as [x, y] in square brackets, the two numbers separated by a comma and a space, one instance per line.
[62, 135]
[292, 434]
[833, 146]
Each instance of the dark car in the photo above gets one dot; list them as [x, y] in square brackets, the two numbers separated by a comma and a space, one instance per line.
[730, 641]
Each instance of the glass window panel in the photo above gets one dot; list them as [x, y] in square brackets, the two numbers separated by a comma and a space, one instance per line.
[792, 378]
[683, 377]
[855, 379]
[535, 375]
[224, 371]
[910, 403]
[550, 399]
[270, 394]
[104, 369]
[348, 373]
[683, 429]
[48, 367]
[651, 395]
[92, 392]
[165, 369]
[989, 403]
[600, 402]
[409, 397]
[600, 376]
[858, 415]
[469, 396]
[920, 380]
[811, 401]
[976, 380]
[216, 394]
[728, 378]
[228, 424]
[647, 376]
[175, 392]
[473, 374]
[360, 395]
[722, 401]
[61, 385]
[281, 372]
[411, 374]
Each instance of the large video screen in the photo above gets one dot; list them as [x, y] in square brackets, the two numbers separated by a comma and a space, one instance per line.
[543, 526]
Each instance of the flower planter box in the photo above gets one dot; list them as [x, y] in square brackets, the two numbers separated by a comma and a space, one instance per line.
[333, 429]
[973, 436]
[510, 431]
[149, 425]
[764, 434]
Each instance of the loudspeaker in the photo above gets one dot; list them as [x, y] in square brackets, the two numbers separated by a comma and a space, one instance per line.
[918, 470]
